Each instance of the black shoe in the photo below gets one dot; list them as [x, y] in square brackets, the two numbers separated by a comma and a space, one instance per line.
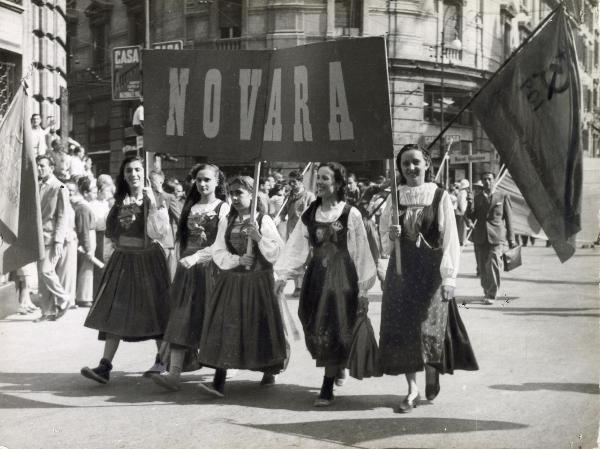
[432, 383]
[268, 380]
[61, 313]
[407, 405]
[100, 374]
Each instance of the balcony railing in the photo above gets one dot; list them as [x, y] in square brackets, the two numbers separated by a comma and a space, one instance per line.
[233, 43]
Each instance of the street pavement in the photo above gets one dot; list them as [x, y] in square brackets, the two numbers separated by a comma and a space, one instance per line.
[537, 387]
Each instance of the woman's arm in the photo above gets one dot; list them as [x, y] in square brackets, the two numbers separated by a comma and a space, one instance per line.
[358, 247]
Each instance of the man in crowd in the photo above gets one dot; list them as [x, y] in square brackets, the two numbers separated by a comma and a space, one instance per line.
[262, 205]
[352, 192]
[54, 199]
[461, 208]
[168, 200]
[298, 201]
[38, 135]
[491, 212]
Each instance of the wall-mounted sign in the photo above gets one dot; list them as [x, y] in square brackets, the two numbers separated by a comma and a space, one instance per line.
[126, 73]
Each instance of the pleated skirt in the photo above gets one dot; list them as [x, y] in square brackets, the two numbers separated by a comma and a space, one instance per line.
[189, 291]
[132, 301]
[243, 326]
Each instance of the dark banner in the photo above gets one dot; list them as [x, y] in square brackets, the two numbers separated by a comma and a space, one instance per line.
[531, 112]
[318, 102]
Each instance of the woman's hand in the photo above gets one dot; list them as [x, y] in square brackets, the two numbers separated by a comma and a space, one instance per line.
[279, 286]
[447, 293]
[149, 195]
[188, 262]
[395, 231]
[252, 231]
[363, 305]
[247, 260]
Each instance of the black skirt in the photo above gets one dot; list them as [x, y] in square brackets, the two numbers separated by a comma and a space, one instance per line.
[133, 295]
[189, 291]
[243, 326]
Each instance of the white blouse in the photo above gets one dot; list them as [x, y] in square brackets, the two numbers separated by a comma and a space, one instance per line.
[297, 247]
[416, 198]
[205, 254]
[270, 245]
[158, 223]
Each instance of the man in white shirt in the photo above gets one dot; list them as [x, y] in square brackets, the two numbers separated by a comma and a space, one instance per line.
[38, 135]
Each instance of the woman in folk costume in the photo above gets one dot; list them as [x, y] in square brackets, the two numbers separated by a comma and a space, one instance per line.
[202, 211]
[414, 314]
[340, 270]
[132, 301]
[243, 326]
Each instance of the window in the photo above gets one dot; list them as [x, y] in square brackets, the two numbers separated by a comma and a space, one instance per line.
[348, 14]
[452, 21]
[454, 100]
[99, 45]
[230, 18]
[506, 37]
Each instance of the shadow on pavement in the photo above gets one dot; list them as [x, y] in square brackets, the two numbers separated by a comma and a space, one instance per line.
[355, 431]
[48, 390]
[536, 386]
[550, 281]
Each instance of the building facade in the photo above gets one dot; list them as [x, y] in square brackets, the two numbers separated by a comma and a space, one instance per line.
[440, 52]
[33, 46]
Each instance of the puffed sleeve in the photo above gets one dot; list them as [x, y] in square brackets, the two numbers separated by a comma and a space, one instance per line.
[450, 244]
[294, 253]
[384, 226]
[206, 254]
[158, 223]
[358, 247]
[221, 255]
[270, 245]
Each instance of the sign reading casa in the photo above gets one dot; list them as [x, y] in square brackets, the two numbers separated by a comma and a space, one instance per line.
[126, 73]
[324, 101]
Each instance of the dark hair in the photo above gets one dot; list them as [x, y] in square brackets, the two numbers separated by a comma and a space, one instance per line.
[246, 182]
[48, 158]
[170, 184]
[193, 196]
[426, 156]
[278, 187]
[339, 176]
[261, 181]
[296, 175]
[34, 114]
[487, 173]
[77, 150]
[351, 175]
[121, 186]
[84, 184]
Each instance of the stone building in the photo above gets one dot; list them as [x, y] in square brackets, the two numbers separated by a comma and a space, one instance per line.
[439, 51]
[33, 42]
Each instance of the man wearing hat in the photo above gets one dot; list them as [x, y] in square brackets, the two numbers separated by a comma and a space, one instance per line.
[491, 212]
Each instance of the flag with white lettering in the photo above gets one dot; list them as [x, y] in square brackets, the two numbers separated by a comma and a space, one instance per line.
[325, 101]
[531, 113]
[23, 243]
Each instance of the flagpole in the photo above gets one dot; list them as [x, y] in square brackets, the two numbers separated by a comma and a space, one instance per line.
[249, 245]
[489, 80]
[395, 216]
[287, 197]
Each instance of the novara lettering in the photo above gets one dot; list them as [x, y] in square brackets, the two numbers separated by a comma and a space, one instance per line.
[249, 83]
[127, 56]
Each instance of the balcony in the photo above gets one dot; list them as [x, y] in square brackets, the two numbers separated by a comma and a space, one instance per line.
[233, 43]
[97, 74]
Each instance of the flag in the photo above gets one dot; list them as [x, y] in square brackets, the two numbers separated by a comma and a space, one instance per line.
[523, 221]
[530, 111]
[21, 239]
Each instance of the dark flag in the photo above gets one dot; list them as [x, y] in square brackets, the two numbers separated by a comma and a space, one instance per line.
[21, 239]
[531, 112]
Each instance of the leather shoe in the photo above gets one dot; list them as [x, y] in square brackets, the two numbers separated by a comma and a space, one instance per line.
[60, 313]
[407, 405]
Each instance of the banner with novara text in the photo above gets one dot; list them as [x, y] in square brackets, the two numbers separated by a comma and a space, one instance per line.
[531, 113]
[325, 101]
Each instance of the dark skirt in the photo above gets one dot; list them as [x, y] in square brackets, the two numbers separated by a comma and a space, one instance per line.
[189, 291]
[413, 317]
[328, 306]
[243, 326]
[132, 301]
